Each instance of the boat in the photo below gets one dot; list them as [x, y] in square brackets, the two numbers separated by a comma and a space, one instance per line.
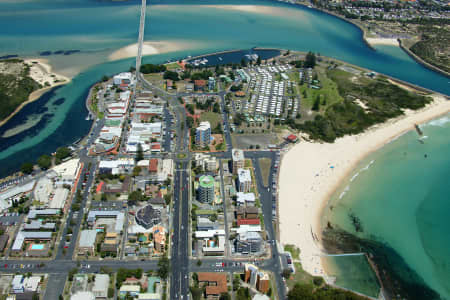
[220, 58]
[252, 57]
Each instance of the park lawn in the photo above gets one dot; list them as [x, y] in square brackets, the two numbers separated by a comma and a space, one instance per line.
[264, 164]
[172, 66]
[155, 79]
[300, 276]
[328, 93]
[212, 117]
[295, 252]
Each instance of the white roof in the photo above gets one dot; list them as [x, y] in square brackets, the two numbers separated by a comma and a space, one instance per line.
[32, 283]
[260, 297]
[149, 296]
[87, 238]
[209, 233]
[130, 288]
[101, 284]
[59, 198]
[42, 212]
[237, 154]
[83, 296]
[204, 126]
[12, 192]
[35, 235]
[245, 197]
[244, 175]
[111, 164]
[68, 168]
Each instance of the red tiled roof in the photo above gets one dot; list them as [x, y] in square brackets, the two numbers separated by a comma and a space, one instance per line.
[217, 282]
[248, 222]
[200, 82]
[153, 166]
[99, 187]
[292, 137]
[156, 146]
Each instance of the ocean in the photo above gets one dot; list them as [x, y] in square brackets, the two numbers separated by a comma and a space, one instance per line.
[400, 196]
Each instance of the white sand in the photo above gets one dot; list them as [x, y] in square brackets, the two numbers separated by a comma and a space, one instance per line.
[261, 9]
[307, 181]
[150, 48]
[382, 41]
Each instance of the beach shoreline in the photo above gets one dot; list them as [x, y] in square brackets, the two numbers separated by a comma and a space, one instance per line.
[311, 173]
[41, 72]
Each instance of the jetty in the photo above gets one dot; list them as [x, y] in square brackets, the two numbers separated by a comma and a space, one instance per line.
[419, 131]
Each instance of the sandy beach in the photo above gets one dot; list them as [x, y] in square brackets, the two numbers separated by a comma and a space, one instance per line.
[41, 72]
[311, 172]
[150, 48]
[382, 41]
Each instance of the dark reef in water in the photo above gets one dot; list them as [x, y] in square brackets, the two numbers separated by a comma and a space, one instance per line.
[397, 278]
[58, 52]
[59, 101]
[9, 56]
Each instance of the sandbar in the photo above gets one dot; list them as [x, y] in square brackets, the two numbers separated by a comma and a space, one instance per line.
[311, 172]
[150, 48]
[382, 41]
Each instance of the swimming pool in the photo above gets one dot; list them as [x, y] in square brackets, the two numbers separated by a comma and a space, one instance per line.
[37, 247]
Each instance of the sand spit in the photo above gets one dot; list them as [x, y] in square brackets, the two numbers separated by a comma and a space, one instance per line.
[41, 72]
[311, 172]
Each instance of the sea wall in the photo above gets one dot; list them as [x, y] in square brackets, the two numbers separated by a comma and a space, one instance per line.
[421, 61]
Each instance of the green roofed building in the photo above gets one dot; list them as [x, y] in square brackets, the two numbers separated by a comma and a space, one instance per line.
[206, 189]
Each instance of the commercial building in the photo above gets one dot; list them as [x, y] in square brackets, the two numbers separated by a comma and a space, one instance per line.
[148, 216]
[206, 189]
[207, 162]
[248, 242]
[123, 78]
[245, 199]
[159, 238]
[238, 160]
[87, 241]
[100, 288]
[132, 290]
[119, 216]
[256, 278]
[24, 236]
[211, 83]
[244, 180]
[203, 134]
[212, 241]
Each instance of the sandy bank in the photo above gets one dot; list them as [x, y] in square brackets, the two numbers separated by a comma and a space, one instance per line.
[150, 48]
[311, 172]
[42, 73]
[382, 41]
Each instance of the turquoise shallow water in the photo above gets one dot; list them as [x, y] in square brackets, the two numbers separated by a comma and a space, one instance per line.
[402, 199]
[400, 194]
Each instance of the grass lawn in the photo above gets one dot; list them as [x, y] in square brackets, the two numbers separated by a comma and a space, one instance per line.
[172, 66]
[300, 276]
[264, 164]
[295, 252]
[328, 93]
[212, 117]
